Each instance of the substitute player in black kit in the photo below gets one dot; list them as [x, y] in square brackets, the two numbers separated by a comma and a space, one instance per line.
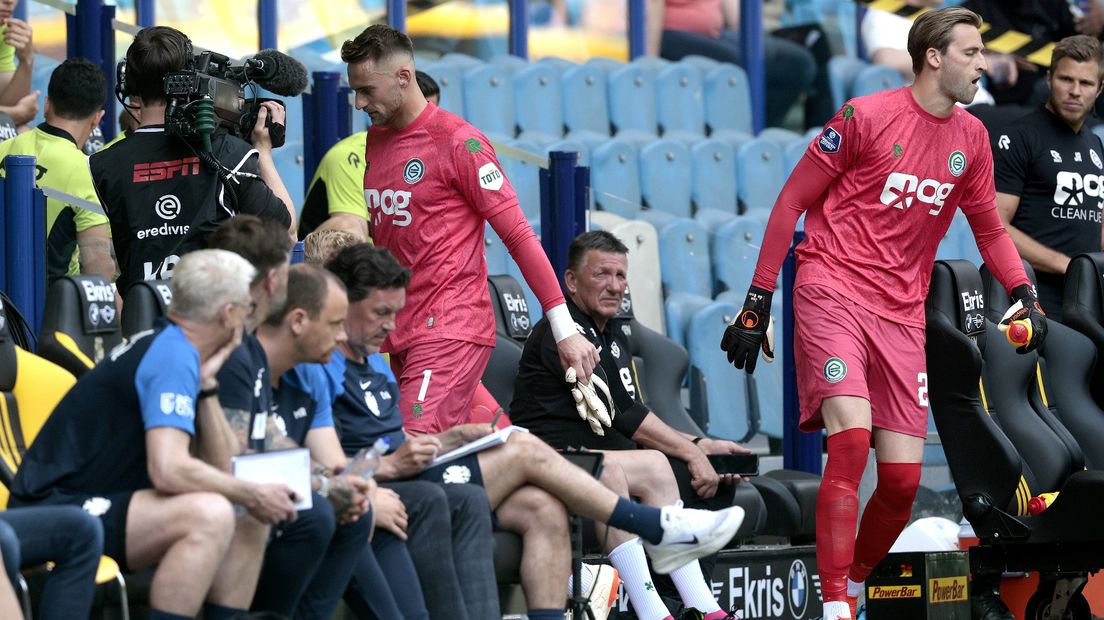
[1049, 171]
[162, 200]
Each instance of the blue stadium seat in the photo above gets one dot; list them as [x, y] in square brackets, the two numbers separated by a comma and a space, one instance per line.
[665, 177]
[681, 114]
[792, 153]
[876, 78]
[461, 60]
[585, 101]
[714, 182]
[450, 78]
[684, 258]
[495, 251]
[679, 308]
[608, 65]
[615, 178]
[735, 249]
[489, 100]
[704, 64]
[759, 173]
[538, 104]
[651, 63]
[525, 177]
[717, 391]
[727, 100]
[842, 71]
[632, 102]
[780, 136]
[557, 63]
[511, 63]
[571, 146]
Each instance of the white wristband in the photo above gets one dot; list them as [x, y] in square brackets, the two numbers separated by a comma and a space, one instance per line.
[562, 323]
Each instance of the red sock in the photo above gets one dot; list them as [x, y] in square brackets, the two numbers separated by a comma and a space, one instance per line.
[838, 509]
[885, 516]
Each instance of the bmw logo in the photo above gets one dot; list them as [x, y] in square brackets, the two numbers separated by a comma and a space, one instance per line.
[798, 584]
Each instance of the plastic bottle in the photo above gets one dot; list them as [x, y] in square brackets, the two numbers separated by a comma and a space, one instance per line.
[1040, 502]
[367, 461]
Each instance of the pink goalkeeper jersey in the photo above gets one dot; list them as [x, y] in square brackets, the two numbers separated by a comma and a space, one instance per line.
[901, 174]
[429, 187]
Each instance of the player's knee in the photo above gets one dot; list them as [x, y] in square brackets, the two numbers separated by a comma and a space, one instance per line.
[85, 531]
[319, 523]
[547, 513]
[469, 500]
[897, 486]
[210, 515]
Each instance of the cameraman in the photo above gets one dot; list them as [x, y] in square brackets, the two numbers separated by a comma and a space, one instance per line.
[161, 198]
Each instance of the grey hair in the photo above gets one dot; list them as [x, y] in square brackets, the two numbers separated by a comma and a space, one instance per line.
[206, 280]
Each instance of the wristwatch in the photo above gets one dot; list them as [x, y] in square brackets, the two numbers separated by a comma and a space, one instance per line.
[323, 486]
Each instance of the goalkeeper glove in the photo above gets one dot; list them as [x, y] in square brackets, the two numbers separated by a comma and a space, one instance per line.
[1028, 313]
[751, 331]
[587, 402]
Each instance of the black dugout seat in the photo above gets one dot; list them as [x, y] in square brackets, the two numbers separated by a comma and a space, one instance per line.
[1083, 307]
[1001, 451]
[143, 304]
[80, 324]
[1061, 390]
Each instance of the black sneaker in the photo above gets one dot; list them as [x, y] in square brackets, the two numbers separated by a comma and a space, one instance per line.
[987, 605]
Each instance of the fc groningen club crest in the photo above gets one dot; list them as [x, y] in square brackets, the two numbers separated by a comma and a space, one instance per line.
[956, 163]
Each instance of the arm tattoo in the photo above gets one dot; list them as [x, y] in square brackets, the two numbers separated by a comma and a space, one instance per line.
[275, 439]
[239, 423]
[341, 497]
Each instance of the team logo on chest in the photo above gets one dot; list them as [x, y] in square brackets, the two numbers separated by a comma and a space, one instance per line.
[956, 163]
[413, 171]
[1096, 159]
[373, 406]
[615, 350]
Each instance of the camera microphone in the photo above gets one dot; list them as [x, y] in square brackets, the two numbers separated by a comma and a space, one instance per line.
[277, 72]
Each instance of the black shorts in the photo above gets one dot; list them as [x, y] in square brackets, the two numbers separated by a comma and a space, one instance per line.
[112, 511]
[464, 470]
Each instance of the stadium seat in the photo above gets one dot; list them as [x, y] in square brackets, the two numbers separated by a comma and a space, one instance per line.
[665, 177]
[759, 173]
[524, 176]
[489, 100]
[842, 71]
[644, 271]
[735, 249]
[144, 303]
[80, 324]
[679, 308]
[876, 78]
[511, 310]
[466, 61]
[585, 101]
[615, 178]
[679, 107]
[727, 101]
[450, 79]
[538, 104]
[979, 395]
[1063, 377]
[713, 190]
[602, 63]
[509, 62]
[718, 393]
[684, 259]
[664, 366]
[703, 64]
[501, 370]
[651, 63]
[494, 251]
[792, 154]
[557, 63]
[632, 103]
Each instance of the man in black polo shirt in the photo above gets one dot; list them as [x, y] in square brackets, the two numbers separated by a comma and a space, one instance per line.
[595, 280]
[161, 196]
[1049, 171]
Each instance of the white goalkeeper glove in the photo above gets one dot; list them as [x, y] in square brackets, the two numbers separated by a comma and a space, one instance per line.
[588, 404]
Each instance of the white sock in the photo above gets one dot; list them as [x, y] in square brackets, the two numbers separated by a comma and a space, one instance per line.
[629, 560]
[854, 588]
[586, 575]
[836, 610]
[692, 588]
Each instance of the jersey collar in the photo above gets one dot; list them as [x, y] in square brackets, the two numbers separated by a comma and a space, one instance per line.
[57, 132]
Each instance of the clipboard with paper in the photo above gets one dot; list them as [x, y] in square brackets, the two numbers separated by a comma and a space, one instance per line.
[496, 438]
[290, 467]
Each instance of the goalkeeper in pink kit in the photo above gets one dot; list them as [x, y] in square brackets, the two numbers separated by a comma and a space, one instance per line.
[431, 180]
[879, 187]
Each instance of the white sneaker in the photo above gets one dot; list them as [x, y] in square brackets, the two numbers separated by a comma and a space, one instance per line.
[690, 534]
[603, 589]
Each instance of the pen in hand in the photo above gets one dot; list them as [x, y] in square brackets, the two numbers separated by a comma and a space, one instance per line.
[494, 421]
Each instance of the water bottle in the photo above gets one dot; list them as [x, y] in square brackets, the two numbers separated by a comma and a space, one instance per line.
[367, 461]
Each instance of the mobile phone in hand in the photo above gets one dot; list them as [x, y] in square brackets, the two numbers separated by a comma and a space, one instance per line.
[738, 464]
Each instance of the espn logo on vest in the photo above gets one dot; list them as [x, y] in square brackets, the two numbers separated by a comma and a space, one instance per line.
[164, 170]
[900, 189]
[390, 202]
[893, 592]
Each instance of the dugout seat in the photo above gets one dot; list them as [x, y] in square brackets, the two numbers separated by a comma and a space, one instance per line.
[144, 303]
[81, 323]
[1062, 381]
[1001, 452]
[511, 309]
[1083, 307]
[30, 389]
[644, 271]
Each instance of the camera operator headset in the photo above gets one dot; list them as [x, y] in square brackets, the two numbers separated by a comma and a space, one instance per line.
[168, 186]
